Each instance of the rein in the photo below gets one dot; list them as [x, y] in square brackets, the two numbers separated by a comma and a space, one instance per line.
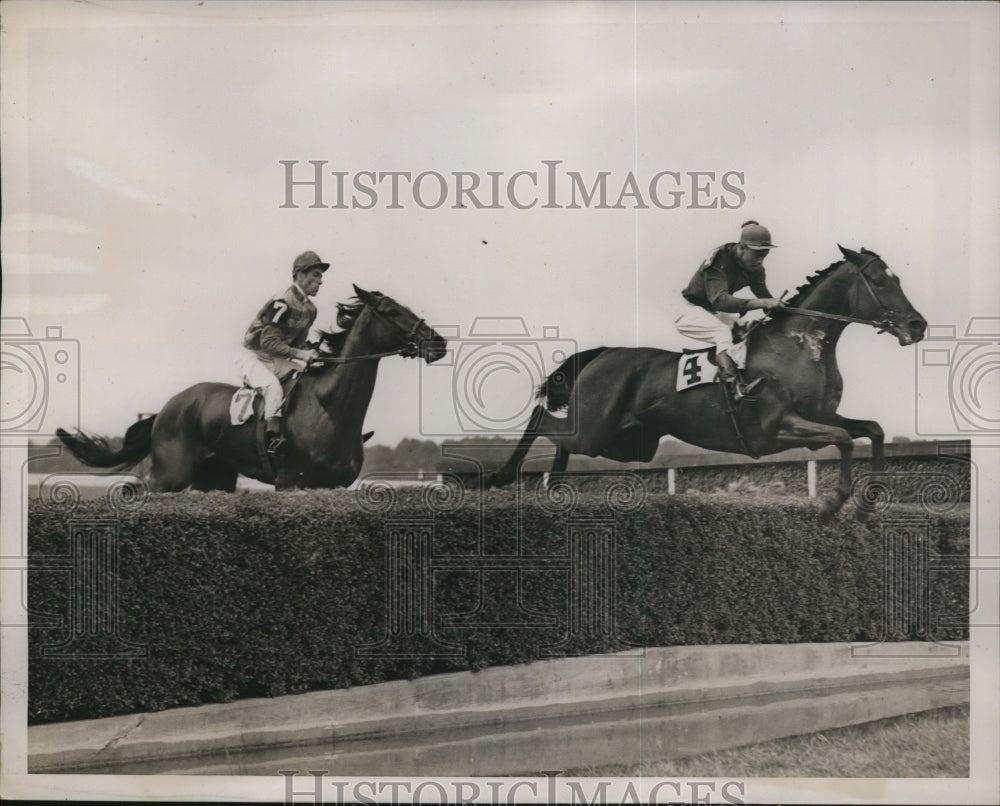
[406, 351]
[881, 325]
[409, 350]
[835, 316]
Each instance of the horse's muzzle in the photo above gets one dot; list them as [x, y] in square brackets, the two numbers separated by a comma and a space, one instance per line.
[908, 331]
[433, 350]
[912, 330]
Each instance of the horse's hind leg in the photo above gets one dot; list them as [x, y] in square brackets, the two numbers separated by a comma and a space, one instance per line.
[559, 464]
[214, 474]
[173, 466]
[541, 424]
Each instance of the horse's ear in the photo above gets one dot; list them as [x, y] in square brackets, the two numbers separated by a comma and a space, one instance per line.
[361, 294]
[850, 254]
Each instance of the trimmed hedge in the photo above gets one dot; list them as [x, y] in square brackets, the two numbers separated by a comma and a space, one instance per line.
[908, 477]
[263, 594]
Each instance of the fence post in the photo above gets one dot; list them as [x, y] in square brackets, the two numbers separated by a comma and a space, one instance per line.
[671, 480]
[811, 477]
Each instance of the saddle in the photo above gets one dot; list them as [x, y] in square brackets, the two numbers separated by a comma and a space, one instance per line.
[248, 403]
[698, 367]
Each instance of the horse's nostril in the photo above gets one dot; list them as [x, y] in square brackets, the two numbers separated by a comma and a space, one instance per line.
[918, 325]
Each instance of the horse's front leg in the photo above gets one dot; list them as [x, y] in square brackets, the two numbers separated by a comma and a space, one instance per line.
[797, 432]
[559, 463]
[865, 428]
[288, 478]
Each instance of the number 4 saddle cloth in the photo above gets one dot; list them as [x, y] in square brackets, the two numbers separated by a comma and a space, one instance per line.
[697, 367]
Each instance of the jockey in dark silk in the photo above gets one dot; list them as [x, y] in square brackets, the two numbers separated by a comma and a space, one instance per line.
[711, 307]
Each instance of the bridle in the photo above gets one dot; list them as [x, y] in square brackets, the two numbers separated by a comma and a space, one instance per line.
[409, 350]
[882, 325]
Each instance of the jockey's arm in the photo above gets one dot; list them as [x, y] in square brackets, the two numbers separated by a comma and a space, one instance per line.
[272, 342]
[758, 284]
[717, 291]
[764, 304]
[765, 301]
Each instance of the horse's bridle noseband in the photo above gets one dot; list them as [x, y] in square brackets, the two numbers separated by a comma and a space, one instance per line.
[882, 325]
[410, 350]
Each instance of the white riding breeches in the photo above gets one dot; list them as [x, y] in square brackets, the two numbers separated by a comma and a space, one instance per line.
[259, 374]
[716, 328]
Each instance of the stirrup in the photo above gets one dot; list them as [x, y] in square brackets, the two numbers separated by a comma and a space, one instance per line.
[744, 391]
[275, 446]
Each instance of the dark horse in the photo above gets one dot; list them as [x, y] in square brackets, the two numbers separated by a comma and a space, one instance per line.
[620, 401]
[193, 444]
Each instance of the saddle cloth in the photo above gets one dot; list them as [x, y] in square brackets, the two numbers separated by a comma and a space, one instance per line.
[241, 407]
[695, 368]
[248, 403]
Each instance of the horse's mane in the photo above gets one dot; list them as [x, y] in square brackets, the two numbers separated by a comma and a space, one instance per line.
[347, 315]
[813, 279]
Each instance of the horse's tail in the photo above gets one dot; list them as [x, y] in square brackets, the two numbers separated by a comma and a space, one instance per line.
[556, 389]
[95, 451]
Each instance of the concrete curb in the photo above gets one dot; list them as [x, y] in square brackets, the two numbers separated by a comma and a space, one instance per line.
[553, 714]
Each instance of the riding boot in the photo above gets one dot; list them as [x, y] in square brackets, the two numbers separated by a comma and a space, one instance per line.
[275, 441]
[730, 374]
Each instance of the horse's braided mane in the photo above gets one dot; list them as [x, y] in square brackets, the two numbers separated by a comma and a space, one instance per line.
[803, 290]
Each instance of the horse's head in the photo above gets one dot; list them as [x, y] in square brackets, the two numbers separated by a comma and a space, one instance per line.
[391, 326]
[875, 294]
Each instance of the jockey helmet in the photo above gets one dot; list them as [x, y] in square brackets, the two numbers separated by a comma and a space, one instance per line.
[754, 236]
[306, 261]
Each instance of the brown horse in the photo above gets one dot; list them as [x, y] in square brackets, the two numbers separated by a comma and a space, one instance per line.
[193, 444]
[621, 401]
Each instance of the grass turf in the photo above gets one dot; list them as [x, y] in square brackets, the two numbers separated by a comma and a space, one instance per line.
[931, 744]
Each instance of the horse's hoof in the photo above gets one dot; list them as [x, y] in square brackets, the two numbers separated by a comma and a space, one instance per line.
[831, 506]
[497, 479]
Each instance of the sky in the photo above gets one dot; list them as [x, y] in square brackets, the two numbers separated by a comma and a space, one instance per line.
[144, 223]
[144, 185]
